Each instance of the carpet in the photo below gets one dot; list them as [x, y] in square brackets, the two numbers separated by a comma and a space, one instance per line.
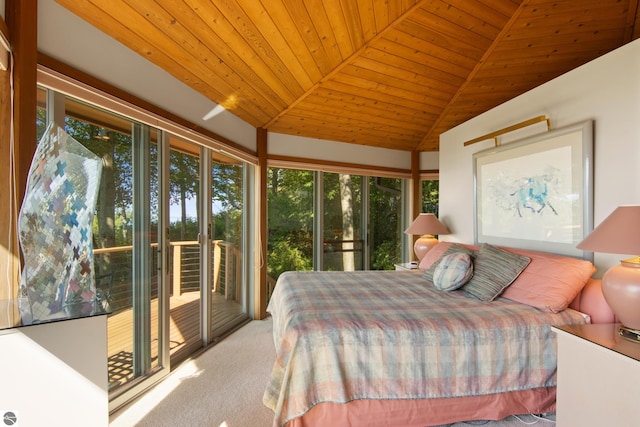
[222, 387]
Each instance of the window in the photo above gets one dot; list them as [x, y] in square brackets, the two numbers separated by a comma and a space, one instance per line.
[332, 221]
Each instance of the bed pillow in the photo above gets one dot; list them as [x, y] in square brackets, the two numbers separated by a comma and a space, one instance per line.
[451, 248]
[550, 282]
[494, 270]
[453, 271]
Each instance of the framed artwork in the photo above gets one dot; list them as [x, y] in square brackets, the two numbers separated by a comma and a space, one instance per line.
[537, 193]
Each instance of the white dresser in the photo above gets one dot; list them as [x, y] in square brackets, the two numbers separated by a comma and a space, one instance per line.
[598, 377]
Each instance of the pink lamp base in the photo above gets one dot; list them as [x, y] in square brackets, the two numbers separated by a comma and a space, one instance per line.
[621, 289]
[423, 245]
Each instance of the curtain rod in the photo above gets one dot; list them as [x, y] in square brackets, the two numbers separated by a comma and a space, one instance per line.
[511, 128]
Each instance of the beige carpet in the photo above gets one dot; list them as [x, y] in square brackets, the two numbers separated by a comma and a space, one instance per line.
[223, 387]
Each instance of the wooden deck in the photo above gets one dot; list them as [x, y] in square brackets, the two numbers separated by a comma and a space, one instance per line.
[184, 332]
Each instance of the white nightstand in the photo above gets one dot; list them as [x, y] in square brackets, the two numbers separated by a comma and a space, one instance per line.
[598, 377]
[407, 266]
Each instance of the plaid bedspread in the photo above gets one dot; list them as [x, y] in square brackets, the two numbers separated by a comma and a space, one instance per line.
[341, 336]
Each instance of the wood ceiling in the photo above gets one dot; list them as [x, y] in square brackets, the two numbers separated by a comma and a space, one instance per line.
[384, 73]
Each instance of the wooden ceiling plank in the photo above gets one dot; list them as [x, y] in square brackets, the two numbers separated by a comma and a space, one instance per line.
[331, 33]
[420, 69]
[374, 125]
[381, 14]
[423, 58]
[392, 82]
[325, 60]
[345, 132]
[376, 119]
[339, 27]
[457, 46]
[498, 39]
[505, 8]
[283, 47]
[428, 103]
[115, 27]
[289, 32]
[633, 21]
[415, 75]
[340, 67]
[392, 73]
[470, 21]
[367, 18]
[197, 38]
[371, 107]
[585, 41]
[347, 86]
[568, 21]
[456, 59]
[353, 22]
[399, 116]
[244, 37]
[188, 48]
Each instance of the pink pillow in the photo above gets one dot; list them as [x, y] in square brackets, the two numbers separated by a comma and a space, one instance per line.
[591, 301]
[550, 282]
[436, 252]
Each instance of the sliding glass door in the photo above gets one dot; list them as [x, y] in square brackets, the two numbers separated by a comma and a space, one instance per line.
[185, 264]
[228, 303]
[169, 241]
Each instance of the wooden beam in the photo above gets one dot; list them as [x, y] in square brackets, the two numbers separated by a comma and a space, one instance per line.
[260, 289]
[22, 22]
[9, 253]
[17, 112]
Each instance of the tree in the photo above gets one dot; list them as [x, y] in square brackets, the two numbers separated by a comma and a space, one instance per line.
[183, 184]
[346, 205]
[290, 221]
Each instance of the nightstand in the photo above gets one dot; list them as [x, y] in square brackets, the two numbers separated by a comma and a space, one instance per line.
[407, 266]
[598, 377]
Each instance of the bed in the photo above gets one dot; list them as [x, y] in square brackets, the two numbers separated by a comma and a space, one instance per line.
[390, 348]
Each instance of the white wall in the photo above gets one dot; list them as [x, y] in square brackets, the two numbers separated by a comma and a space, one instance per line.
[289, 145]
[606, 90]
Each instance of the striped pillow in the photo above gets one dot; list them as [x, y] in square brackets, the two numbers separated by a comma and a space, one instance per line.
[494, 270]
[453, 271]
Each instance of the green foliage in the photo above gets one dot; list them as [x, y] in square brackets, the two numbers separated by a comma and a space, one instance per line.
[385, 206]
[386, 255]
[290, 221]
[430, 196]
[289, 253]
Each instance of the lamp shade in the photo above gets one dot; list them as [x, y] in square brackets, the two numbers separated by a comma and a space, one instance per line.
[619, 233]
[425, 225]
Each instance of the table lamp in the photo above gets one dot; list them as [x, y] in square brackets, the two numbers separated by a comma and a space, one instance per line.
[425, 225]
[619, 233]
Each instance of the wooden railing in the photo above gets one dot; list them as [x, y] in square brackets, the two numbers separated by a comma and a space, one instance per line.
[185, 275]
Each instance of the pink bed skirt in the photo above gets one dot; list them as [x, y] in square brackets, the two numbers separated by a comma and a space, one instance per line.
[428, 412]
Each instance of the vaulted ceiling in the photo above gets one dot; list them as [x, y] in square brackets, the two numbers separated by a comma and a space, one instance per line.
[384, 73]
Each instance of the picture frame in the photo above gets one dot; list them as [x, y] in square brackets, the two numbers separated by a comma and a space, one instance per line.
[537, 193]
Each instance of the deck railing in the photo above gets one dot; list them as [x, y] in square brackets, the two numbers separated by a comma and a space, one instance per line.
[113, 271]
